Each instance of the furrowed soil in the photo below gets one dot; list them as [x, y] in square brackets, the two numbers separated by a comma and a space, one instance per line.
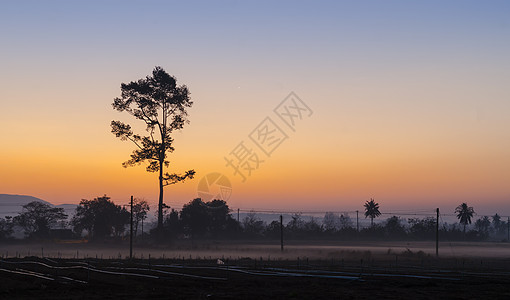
[300, 272]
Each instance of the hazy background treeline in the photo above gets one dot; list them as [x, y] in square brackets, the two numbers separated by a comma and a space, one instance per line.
[101, 219]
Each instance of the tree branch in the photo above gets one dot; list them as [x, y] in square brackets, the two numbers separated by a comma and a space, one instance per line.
[170, 179]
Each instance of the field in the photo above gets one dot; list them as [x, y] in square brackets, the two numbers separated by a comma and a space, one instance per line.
[214, 270]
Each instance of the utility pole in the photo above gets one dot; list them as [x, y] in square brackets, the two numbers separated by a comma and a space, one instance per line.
[437, 231]
[508, 231]
[131, 232]
[281, 232]
[357, 224]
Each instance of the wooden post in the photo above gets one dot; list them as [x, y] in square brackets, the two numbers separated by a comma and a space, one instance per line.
[437, 231]
[281, 232]
[131, 232]
[357, 223]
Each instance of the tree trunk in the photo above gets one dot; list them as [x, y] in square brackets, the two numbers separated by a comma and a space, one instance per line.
[371, 221]
[161, 157]
[160, 203]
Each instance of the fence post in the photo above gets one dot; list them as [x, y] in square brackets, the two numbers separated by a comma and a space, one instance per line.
[437, 231]
[131, 232]
[281, 232]
[357, 223]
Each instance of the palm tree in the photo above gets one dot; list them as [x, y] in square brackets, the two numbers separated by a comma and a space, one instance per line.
[372, 210]
[464, 214]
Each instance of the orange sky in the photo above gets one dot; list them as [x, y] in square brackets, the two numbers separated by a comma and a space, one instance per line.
[412, 111]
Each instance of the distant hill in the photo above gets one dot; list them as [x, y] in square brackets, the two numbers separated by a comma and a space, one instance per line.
[11, 205]
[6, 199]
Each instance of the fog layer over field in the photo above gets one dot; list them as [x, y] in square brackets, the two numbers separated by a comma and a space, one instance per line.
[293, 250]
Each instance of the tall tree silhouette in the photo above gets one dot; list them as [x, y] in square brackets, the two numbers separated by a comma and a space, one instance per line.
[161, 104]
[372, 210]
[464, 214]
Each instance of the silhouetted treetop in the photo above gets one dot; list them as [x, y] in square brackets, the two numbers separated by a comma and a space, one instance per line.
[161, 104]
[37, 218]
[464, 214]
[100, 217]
[372, 210]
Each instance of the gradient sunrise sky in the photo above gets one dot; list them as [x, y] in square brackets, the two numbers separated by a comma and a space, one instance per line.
[410, 100]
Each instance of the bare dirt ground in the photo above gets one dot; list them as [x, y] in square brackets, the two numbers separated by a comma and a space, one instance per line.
[394, 270]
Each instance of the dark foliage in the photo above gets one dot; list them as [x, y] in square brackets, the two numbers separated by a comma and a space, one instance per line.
[161, 105]
[464, 214]
[140, 210]
[422, 228]
[394, 228]
[37, 218]
[207, 219]
[5, 228]
[253, 226]
[100, 217]
[372, 210]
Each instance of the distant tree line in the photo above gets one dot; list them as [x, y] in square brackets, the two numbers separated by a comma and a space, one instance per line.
[36, 219]
[101, 219]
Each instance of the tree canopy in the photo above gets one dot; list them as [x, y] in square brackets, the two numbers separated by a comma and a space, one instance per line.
[464, 214]
[161, 105]
[372, 210]
[206, 218]
[37, 218]
[5, 229]
[100, 217]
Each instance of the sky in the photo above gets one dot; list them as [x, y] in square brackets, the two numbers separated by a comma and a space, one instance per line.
[407, 102]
